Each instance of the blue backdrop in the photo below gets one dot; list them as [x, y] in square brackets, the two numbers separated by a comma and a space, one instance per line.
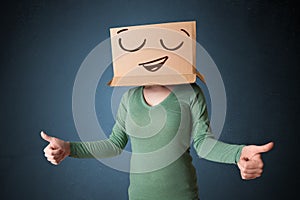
[43, 43]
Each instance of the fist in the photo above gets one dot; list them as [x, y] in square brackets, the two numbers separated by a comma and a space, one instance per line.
[250, 163]
[57, 150]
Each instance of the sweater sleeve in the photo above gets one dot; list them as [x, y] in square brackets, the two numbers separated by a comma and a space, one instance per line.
[110, 147]
[205, 144]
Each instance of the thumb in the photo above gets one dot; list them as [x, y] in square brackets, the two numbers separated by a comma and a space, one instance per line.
[46, 137]
[263, 148]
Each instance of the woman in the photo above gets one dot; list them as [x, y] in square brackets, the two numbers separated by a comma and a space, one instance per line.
[165, 171]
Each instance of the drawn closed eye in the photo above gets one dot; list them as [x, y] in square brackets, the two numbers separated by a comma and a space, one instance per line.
[170, 48]
[131, 50]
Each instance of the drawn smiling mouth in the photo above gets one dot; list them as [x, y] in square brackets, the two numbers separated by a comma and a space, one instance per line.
[154, 65]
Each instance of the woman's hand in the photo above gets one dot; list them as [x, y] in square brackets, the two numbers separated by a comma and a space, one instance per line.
[250, 163]
[57, 150]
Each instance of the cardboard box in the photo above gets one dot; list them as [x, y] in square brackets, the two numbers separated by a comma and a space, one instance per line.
[155, 54]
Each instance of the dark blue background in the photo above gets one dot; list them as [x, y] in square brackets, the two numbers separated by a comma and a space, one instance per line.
[43, 43]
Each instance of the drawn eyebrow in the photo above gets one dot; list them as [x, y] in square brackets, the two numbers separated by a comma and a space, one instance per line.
[185, 32]
[125, 29]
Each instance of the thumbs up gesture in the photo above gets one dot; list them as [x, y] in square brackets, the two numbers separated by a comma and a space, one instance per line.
[57, 150]
[250, 163]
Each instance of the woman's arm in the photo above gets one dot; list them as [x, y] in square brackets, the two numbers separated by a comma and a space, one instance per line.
[205, 144]
[57, 149]
[248, 158]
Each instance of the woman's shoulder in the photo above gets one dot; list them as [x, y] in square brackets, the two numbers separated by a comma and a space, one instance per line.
[131, 92]
[188, 90]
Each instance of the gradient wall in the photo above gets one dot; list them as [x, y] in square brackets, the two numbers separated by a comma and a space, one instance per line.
[43, 43]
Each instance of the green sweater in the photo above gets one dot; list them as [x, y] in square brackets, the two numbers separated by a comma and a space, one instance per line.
[161, 164]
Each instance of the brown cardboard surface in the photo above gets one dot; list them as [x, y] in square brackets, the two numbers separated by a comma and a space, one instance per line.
[155, 54]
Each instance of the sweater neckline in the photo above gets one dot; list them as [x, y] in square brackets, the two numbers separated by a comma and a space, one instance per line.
[143, 100]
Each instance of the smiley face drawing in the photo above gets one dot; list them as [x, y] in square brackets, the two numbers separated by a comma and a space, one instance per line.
[155, 54]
